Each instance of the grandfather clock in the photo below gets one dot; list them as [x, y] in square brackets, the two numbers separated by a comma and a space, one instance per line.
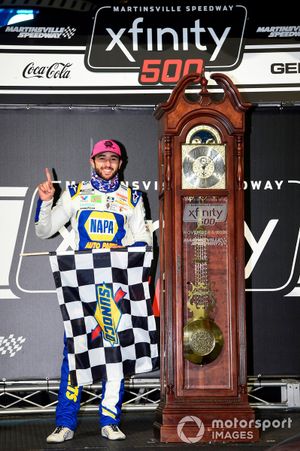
[203, 337]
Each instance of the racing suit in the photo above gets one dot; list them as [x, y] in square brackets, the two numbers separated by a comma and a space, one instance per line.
[102, 217]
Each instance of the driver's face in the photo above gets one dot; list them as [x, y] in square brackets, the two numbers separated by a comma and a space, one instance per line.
[106, 164]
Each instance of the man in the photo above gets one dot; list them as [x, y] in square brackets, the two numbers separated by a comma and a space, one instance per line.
[104, 213]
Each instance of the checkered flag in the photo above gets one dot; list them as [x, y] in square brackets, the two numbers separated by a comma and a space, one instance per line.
[68, 32]
[107, 312]
[11, 345]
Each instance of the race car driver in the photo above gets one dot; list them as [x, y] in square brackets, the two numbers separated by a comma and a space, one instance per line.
[104, 213]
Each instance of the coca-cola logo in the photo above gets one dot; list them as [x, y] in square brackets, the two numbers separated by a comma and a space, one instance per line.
[55, 70]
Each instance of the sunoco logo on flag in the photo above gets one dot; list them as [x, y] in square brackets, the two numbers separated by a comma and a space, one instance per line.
[107, 313]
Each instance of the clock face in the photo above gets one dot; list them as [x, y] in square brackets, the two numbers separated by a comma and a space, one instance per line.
[203, 166]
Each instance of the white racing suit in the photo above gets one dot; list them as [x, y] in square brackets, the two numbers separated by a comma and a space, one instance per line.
[99, 220]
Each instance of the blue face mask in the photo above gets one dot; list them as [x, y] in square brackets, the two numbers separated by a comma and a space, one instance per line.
[105, 186]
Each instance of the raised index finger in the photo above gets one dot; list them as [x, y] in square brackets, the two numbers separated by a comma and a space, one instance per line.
[48, 175]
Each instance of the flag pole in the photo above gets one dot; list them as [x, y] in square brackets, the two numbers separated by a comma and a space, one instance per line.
[33, 254]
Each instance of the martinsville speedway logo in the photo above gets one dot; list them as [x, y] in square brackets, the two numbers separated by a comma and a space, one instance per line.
[208, 33]
[41, 32]
[288, 31]
[231, 429]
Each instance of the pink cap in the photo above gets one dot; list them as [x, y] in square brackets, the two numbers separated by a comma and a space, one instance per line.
[106, 145]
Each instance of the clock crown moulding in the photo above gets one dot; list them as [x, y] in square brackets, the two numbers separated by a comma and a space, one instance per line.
[231, 101]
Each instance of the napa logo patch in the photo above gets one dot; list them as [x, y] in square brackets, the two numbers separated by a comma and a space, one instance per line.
[101, 226]
[107, 313]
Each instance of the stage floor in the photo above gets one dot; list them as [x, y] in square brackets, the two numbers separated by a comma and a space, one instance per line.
[29, 433]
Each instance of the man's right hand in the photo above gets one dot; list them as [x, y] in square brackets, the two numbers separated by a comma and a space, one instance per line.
[46, 189]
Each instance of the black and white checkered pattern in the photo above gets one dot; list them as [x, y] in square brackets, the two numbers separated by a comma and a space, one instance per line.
[11, 345]
[68, 32]
[78, 275]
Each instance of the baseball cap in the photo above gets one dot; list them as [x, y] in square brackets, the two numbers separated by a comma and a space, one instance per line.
[106, 145]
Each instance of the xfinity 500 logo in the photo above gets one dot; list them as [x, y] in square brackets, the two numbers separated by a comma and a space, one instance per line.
[128, 38]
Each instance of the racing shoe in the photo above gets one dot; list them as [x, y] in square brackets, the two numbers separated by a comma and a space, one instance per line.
[60, 434]
[112, 432]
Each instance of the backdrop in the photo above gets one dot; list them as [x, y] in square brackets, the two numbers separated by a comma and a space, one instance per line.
[61, 138]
